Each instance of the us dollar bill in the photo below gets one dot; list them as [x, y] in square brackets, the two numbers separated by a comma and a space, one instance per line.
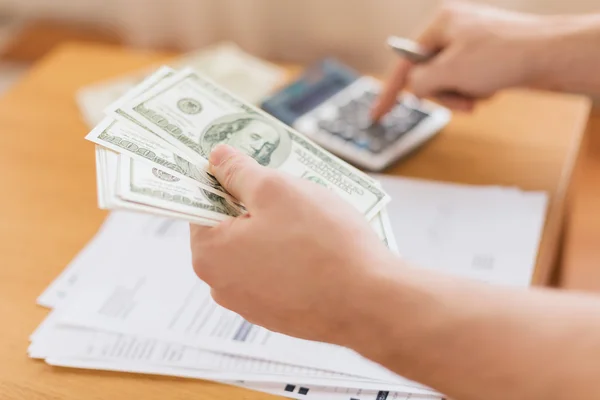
[108, 199]
[193, 114]
[120, 136]
[124, 138]
[144, 184]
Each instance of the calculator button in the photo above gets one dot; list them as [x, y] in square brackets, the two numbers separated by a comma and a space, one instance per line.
[307, 126]
[328, 113]
[362, 141]
[377, 130]
[391, 135]
[370, 95]
[410, 101]
[349, 110]
[366, 100]
[337, 128]
[349, 133]
[376, 145]
[400, 112]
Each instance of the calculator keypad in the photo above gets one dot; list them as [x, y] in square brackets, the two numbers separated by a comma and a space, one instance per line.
[350, 122]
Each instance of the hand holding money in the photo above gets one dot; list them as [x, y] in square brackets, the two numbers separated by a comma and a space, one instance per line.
[291, 256]
[154, 144]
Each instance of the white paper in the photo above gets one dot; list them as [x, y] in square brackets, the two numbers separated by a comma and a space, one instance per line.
[156, 292]
[113, 237]
[60, 343]
[490, 234]
[167, 236]
[127, 297]
[291, 390]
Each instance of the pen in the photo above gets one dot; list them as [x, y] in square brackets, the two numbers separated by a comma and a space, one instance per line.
[410, 50]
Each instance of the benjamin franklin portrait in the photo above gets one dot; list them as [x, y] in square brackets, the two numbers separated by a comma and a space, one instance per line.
[265, 141]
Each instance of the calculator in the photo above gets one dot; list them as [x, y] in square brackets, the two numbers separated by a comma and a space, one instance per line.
[330, 103]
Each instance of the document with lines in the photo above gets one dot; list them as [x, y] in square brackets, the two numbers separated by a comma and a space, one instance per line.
[128, 268]
[81, 348]
[156, 291]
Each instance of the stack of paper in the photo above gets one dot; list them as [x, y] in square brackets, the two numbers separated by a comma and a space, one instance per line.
[130, 301]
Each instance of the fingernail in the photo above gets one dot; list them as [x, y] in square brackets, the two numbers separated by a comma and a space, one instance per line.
[221, 153]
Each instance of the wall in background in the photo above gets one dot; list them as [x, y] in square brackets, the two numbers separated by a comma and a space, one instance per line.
[288, 30]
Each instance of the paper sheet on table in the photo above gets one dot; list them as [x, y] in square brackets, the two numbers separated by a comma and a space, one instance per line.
[66, 346]
[490, 234]
[157, 291]
[452, 225]
[117, 348]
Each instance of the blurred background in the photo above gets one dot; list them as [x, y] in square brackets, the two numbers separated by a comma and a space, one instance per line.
[298, 31]
[288, 30]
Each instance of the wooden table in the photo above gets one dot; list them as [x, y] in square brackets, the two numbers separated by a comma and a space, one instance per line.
[48, 207]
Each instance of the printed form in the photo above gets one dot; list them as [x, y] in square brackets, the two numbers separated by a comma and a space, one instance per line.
[140, 308]
[84, 348]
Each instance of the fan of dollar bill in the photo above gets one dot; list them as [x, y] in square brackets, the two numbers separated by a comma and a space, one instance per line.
[152, 149]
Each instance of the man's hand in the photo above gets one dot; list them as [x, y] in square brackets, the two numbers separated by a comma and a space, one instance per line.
[480, 50]
[295, 263]
[306, 264]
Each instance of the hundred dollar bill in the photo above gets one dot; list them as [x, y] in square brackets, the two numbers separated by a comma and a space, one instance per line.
[144, 184]
[107, 197]
[108, 181]
[124, 138]
[380, 223]
[194, 114]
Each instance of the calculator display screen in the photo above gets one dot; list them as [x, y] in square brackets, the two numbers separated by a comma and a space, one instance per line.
[318, 83]
[317, 94]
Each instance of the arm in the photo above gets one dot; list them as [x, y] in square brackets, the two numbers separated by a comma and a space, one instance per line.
[296, 261]
[571, 59]
[483, 50]
[473, 341]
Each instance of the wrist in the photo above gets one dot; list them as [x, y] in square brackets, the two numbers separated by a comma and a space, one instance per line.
[566, 55]
[386, 297]
[362, 315]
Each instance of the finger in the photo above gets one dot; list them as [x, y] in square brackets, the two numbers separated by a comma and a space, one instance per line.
[432, 38]
[219, 298]
[435, 77]
[429, 82]
[389, 95]
[424, 81]
[237, 172]
[200, 234]
[456, 102]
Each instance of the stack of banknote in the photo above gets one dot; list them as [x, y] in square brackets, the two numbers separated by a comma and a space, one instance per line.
[154, 141]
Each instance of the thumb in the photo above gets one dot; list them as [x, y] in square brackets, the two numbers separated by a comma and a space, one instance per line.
[237, 172]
